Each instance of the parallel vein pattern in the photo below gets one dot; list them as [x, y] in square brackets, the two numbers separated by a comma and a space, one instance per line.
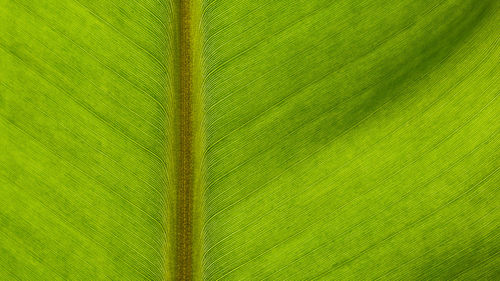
[249, 140]
[83, 118]
[351, 140]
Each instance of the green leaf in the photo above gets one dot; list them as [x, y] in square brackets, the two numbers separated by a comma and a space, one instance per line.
[249, 140]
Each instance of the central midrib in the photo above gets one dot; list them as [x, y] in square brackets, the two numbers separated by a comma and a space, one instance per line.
[187, 263]
[185, 168]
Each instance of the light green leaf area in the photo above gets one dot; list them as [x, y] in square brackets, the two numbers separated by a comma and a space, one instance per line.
[352, 140]
[82, 106]
[342, 140]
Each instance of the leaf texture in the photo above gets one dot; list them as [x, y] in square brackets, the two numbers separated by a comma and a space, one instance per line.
[329, 140]
[83, 131]
[351, 140]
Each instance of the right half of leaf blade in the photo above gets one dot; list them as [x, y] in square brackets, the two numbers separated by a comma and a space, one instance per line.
[351, 140]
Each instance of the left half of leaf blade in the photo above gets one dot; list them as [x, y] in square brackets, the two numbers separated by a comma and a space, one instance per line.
[84, 112]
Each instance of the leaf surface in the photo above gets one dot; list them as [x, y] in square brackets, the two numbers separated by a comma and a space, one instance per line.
[83, 119]
[332, 140]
